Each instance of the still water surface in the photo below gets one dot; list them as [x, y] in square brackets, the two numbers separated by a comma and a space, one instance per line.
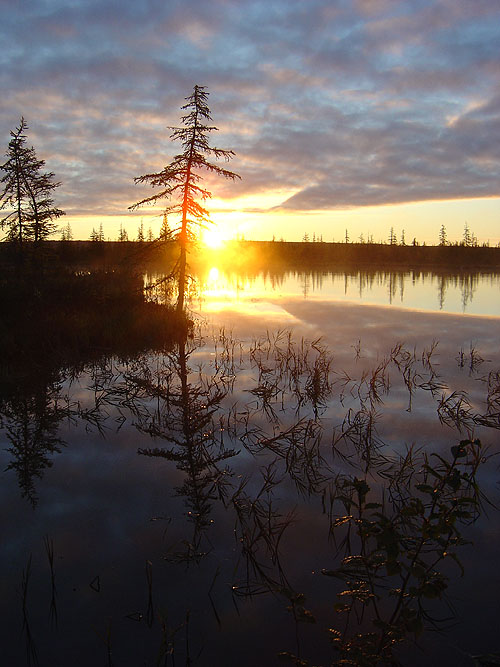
[472, 293]
[173, 508]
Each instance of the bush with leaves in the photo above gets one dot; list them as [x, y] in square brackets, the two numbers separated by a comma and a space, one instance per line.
[394, 549]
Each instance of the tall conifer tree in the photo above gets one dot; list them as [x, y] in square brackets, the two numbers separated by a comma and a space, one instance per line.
[179, 180]
[27, 191]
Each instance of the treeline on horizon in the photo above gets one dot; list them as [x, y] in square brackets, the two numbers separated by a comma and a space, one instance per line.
[321, 255]
[244, 254]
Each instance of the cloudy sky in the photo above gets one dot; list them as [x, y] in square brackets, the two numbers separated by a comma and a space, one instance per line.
[357, 114]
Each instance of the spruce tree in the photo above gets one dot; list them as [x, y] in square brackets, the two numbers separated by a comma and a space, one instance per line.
[467, 236]
[140, 232]
[42, 211]
[14, 191]
[122, 234]
[443, 238]
[179, 180]
[27, 191]
[66, 233]
[165, 231]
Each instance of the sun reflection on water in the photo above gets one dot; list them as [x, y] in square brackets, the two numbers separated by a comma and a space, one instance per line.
[213, 275]
[222, 292]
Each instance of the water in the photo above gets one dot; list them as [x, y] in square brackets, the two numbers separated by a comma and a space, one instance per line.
[188, 496]
[471, 293]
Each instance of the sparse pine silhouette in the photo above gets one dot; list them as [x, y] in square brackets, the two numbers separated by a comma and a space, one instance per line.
[97, 235]
[27, 192]
[178, 181]
[122, 234]
[443, 237]
[140, 233]
[165, 231]
[66, 233]
[14, 191]
[467, 236]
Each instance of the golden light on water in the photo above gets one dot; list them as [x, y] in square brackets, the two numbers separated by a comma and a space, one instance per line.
[213, 274]
[249, 298]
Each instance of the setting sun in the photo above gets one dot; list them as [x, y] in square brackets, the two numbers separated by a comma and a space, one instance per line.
[213, 238]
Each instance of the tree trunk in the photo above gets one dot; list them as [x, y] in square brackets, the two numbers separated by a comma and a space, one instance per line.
[182, 276]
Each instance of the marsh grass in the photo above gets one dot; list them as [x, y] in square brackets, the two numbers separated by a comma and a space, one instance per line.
[49, 550]
[31, 650]
[315, 434]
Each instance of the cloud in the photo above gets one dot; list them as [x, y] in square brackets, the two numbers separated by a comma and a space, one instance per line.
[347, 104]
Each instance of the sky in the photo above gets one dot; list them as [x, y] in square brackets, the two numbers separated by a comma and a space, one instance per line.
[357, 115]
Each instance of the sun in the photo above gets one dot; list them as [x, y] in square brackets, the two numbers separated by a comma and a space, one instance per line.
[212, 238]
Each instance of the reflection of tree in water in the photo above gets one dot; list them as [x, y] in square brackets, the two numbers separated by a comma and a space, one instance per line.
[170, 407]
[70, 322]
[31, 423]
[406, 535]
[468, 286]
[393, 520]
[442, 291]
[396, 283]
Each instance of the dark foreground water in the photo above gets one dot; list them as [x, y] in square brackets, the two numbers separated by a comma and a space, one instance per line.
[193, 506]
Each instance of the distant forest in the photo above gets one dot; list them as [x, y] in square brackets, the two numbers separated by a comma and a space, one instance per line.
[257, 255]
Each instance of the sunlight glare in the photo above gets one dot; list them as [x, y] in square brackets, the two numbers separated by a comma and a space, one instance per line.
[213, 274]
[213, 238]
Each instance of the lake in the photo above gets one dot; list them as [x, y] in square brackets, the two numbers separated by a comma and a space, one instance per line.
[264, 490]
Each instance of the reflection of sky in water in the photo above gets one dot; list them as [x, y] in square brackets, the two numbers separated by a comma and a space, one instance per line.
[474, 294]
[109, 511]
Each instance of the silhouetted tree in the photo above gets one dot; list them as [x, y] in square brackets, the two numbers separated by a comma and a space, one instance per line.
[165, 231]
[467, 236]
[14, 192]
[443, 238]
[28, 191]
[122, 234]
[66, 233]
[140, 232]
[97, 235]
[179, 179]
[42, 211]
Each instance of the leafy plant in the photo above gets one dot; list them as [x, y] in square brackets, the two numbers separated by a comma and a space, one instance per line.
[394, 549]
